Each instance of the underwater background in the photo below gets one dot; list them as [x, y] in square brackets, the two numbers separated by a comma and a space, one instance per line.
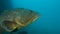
[49, 10]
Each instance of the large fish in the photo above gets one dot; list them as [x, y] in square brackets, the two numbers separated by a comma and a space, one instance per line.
[17, 19]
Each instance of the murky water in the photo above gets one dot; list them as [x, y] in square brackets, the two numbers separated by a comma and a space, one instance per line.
[48, 23]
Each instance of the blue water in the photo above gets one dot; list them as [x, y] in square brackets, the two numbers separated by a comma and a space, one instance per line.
[48, 23]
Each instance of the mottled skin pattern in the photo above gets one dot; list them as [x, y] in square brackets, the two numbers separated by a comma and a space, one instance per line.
[16, 19]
